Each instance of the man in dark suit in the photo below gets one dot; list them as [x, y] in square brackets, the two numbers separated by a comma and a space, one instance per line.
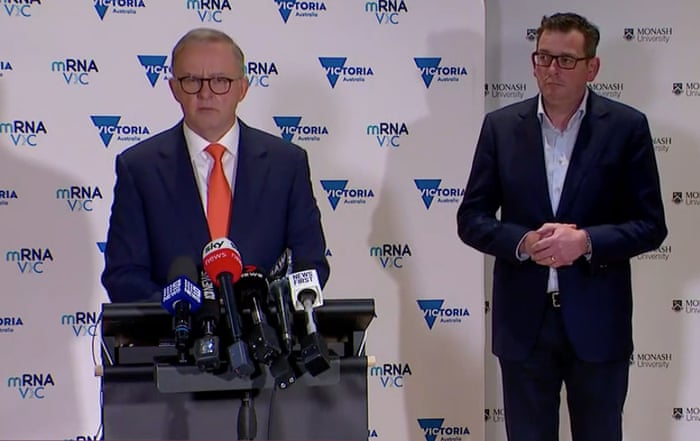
[575, 178]
[163, 204]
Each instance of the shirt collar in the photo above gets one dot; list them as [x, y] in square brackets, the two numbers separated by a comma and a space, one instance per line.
[577, 116]
[196, 144]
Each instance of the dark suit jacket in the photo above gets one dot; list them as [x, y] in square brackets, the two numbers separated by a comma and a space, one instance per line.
[157, 213]
[611, 189]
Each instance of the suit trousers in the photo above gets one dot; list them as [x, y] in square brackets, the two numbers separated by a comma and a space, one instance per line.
[531, 390]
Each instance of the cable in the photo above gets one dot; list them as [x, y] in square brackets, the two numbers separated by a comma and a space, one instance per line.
[99, 432]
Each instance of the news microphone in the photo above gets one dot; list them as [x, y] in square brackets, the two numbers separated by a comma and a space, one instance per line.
[181, 297]
[205, 349]
[279, 291]
[253, 290]
[222, 262]
[306, 295]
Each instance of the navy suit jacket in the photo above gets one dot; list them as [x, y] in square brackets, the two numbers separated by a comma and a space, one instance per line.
[157, 213]
[611, 190]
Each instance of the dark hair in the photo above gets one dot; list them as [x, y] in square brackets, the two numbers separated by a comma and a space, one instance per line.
[568, 21]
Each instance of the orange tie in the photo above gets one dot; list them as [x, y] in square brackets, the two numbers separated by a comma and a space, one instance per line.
[218, 195]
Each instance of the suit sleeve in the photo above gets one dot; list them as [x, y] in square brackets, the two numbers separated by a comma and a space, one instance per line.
[477, 224]
[645, 228]
[127, 261]
[304, 229]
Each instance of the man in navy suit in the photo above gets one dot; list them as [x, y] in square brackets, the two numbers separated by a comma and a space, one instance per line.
[575, 178]
[160, 196]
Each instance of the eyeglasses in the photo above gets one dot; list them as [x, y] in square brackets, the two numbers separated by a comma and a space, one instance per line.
[218, 85]
[563, 61]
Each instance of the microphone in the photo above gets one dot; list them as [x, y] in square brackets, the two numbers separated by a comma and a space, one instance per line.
[182, 297]
[279, 291]
[206, 348]
[254, 293]
[222, 262]
[306, 294]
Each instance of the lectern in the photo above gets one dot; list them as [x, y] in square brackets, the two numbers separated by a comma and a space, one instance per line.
[145, 395]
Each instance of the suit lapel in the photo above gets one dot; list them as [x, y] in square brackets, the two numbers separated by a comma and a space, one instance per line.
[251, 174]
[530, 156]
[175, 171]
[589, 145]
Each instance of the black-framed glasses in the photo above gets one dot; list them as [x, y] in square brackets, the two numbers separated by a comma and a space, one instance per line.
[563, 61]
[218, 85]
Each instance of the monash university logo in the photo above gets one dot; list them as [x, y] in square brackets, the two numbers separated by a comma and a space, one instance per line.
[155, 65]
[108, 126]
[209, 11]
[390, 255]
[82, 323]
[9, 324]
[388, 134]
[434, 427]
[23, 133]
[391, 375]
[75, 71]
[20, 8]
[5, 66]
[662, 144]
[386, 11]
[31, 385]
[662, 253]
[337, 191]
[690, 88]
[259, 73]
[335, 69]
[656, 360]
[430, 67]
[690, 306]
[506, 90]
[433, 309]
[430, 188]
[677, 413]
[687, 198]
[531, 34]
[608, 89]
[7, 195]
[79, 198]
[29, 260]
[291, 125]
[300, 8]
[677, 305]
[495, 415]
[117, 7]
[650, 34]
[686, 413]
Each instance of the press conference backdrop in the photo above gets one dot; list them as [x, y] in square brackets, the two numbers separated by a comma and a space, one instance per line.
[387, 98]
[646, 49]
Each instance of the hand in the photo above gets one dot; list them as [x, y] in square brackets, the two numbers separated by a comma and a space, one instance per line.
[561, 245]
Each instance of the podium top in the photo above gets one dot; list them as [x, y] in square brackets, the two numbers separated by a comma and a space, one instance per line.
[146, 323]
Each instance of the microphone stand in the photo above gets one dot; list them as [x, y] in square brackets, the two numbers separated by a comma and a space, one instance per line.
[247, 419]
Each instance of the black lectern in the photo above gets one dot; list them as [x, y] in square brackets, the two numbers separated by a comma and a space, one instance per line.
[145, 397]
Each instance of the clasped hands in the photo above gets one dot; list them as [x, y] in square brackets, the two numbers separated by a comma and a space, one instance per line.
[554, 244]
